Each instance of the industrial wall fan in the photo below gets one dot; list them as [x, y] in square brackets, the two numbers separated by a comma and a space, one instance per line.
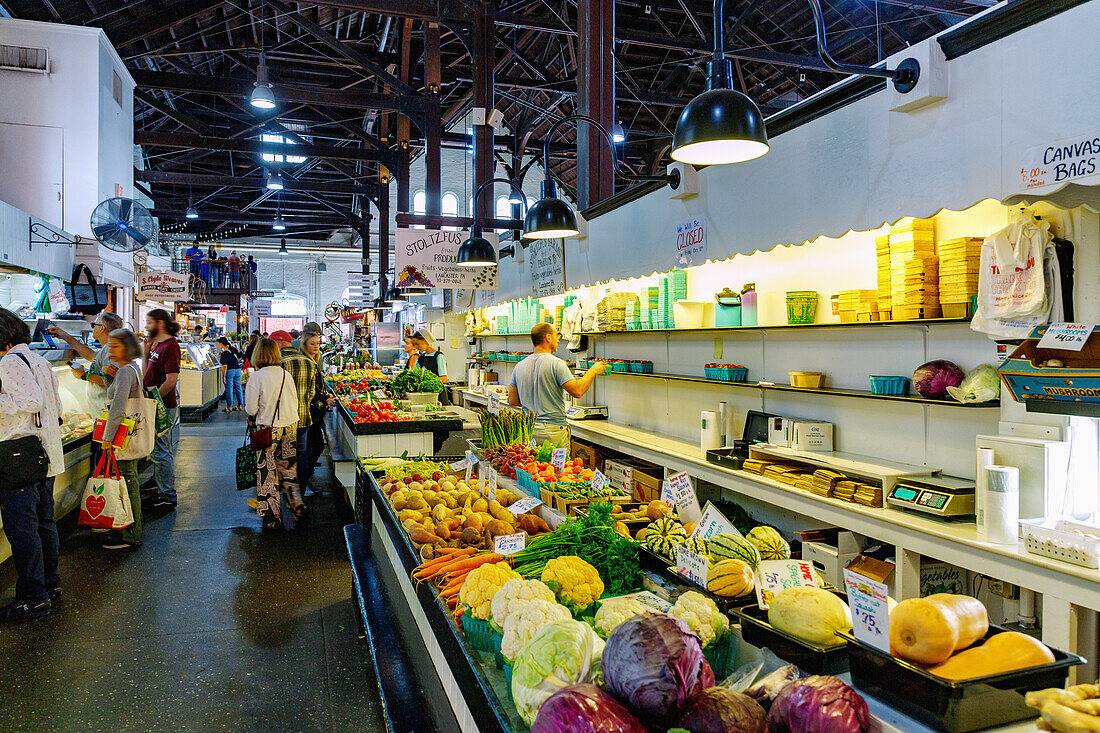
[123, 225]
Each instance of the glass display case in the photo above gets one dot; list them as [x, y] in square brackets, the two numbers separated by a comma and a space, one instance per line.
[200, 382]
[200, 355]
[81, 403]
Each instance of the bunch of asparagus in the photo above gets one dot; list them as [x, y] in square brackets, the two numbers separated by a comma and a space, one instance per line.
[507, 426]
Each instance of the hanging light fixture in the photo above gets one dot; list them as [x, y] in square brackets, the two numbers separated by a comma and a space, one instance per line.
[724, 126]
[192, 212]
[274, 180]
[282, 247]
[477, 251]
[618, 134]
[262, 96]
[515, 195]
[394, 296]
[552, 218]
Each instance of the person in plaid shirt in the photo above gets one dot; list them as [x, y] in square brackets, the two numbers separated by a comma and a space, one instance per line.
[304, 372]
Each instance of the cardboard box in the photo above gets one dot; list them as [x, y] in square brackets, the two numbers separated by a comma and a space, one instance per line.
[779, 431]
[646, 487]
[830, 560]
[811, 435]
[620, 474]
[875, 569]
[591, 455]
[941, 577]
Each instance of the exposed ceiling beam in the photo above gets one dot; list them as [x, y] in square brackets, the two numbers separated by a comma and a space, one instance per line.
[333, 222]
[285, 93]
[181, 11]
[252, 182]
[337, 46]
[173, 114]
[255, 147]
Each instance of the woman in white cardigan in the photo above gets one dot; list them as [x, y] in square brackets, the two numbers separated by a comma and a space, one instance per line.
[271, 399]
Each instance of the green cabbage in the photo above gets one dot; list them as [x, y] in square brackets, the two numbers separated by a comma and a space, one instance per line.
[981, 384]
[563, 653]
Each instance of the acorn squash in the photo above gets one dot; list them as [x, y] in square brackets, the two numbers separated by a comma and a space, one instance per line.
[730, 578]
[769, 543]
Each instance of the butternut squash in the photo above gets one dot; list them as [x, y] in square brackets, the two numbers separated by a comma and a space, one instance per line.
[1003, 652]
[929, 630]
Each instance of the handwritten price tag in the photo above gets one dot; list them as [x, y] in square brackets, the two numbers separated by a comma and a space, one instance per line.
[489, 480]
[870, 610]
[775, 576]
[525, 504]
[677, 492]
[558, 458]
[691, 565]
[510, 544]
[652, 600]
[494, 403]
[713, 522]
[380, 394]
[1066, 336]
[598, 482]
[470, 461]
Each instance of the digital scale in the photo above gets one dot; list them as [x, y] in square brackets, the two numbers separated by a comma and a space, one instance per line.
[940, 496]
[587, 412]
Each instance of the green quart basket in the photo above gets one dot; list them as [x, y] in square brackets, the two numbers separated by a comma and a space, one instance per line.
[801, 307]
[483, 637]
[720, 656]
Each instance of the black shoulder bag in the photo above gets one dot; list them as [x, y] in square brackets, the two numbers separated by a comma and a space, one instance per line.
[90, 297]
[24, 459]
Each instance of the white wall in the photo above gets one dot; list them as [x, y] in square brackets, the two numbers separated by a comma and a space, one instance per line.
[76, 98]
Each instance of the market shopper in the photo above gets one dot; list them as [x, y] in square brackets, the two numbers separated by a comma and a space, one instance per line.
[539, 380]
[194, 259]
[429, 356]
[234, 269]
[125, 351]
[101, 370]
[411, 351]
[253, 338]
[29, 408]
[162, 372]
[305, 374]
[322, 401]
[231, 363]
[252, 274]
[271, 400]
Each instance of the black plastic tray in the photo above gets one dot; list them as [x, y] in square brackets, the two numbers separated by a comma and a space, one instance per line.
[953, 706]
[726, 457]
[433, 425]
[756, 630]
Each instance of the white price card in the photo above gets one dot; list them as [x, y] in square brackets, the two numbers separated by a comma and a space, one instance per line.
[870, 610]
[691, 565]
[525, 504]
[1065, 336]
[558, 458]
[646, 598]
[713, 522]
[510, 544]
[461, 464]
[489, 481]
[494, 403]
[774, 576]
[677, 492]
[598, 482]
[380, 394]
[470, 461]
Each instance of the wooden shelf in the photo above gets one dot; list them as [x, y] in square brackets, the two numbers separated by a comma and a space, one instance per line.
[861, 394]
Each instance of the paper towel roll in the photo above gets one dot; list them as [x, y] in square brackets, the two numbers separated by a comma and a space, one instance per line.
[1002, 504]
[985, 458]
[710, 435]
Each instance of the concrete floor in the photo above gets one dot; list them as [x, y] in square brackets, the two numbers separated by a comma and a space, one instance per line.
[208, 626]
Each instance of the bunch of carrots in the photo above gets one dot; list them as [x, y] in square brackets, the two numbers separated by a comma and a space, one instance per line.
[449, 571]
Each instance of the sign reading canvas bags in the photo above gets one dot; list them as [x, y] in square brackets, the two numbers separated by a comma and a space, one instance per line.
[162, 285]
[426, 258]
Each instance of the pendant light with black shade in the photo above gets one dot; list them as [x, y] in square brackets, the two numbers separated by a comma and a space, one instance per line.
[477, 251]
[552, 218]
[723, 126]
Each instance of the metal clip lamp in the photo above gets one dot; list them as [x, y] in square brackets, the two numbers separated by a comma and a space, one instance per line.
[723, 126]
[477, 251]
[552, 218]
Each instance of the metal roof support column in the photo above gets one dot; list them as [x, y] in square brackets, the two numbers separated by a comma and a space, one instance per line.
[596, 98]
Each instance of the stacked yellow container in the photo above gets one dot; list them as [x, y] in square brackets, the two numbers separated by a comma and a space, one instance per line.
[882, 260]
[959, 262]
[858, 305]
[914, 271]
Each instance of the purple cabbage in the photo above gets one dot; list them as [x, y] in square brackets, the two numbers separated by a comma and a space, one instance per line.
[721, 710]
[654, 663]
[819, 704]
[932, 378]
[584, 708]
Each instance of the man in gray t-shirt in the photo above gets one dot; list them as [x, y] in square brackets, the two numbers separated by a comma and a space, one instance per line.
[539, 380]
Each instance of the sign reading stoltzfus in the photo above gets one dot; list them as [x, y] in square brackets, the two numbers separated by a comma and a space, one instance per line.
[1064, 160]
[164, 285]
[547, 263]
[691, 243]
[426, 258]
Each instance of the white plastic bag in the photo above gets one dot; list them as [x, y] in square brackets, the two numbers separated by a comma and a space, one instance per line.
[59, 303]
[1011, 283]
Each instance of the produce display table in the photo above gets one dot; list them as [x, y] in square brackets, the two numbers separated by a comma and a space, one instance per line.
[417, 437]
[468, 681]
[1061, 584]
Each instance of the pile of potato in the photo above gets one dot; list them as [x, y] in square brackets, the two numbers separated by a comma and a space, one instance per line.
[449, 513]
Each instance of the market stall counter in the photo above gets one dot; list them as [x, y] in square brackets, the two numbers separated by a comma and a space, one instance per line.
[463, 685]
[200, 384]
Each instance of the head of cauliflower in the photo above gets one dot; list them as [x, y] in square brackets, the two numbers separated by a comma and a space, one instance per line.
[614, 611]
[526, 620]
[516, 593]
[574, 581]
[482, 584]
[702, 616]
